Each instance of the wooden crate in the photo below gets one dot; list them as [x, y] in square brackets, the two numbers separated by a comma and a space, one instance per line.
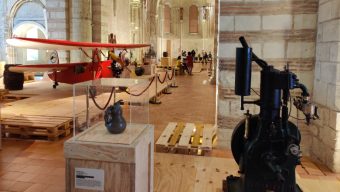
[114, 162]
[187, 138]
[50, 127]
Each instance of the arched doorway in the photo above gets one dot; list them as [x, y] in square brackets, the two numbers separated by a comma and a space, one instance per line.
[30, 29]
[24, 22]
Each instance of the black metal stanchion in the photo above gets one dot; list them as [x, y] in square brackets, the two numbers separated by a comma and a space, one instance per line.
[167, 88]
[173, 84]
[87, 107]
[210, 68]
[155, 100]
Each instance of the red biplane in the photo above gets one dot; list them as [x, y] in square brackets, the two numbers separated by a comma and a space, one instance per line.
[69, 73]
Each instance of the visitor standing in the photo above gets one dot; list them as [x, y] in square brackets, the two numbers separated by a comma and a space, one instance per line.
[190, 62]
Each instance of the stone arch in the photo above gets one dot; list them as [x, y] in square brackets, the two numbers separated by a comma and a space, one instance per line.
[13, 8]
[32, 23]
[24, 56]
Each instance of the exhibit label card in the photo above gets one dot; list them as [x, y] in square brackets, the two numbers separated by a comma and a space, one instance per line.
[90, 179]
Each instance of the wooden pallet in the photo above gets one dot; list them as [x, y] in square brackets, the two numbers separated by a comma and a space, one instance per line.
[2, 93]
[27, 126]
[188, 138]
[14, 97]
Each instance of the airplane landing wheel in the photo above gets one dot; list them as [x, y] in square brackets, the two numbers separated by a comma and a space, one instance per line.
[55, 85]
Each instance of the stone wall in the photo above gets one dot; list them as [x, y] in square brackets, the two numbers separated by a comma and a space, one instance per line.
[180, 37]
[280, 32]
[80, 14]
[326, 131]
[2, 31]
[58, 24]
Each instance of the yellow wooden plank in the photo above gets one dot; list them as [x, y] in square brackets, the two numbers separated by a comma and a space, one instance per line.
[166, 134]
[178, 131]
[197, 136]
[184, 141]
[207, 139]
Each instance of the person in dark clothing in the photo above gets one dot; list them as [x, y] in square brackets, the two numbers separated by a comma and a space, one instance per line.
[190, 63]
[193, 53]
[205, 58]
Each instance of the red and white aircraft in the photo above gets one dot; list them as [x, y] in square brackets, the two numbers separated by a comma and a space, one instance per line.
[69, 73]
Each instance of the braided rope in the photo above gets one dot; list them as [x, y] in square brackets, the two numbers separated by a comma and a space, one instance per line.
[139, 94]
[166, 73]
[172, 75]
[94, 101]
[102, 53]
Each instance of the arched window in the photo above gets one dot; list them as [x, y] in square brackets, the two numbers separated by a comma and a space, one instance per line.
[193, 19]
[167, 19]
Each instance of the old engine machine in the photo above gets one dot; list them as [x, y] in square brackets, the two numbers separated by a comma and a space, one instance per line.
[266, 146]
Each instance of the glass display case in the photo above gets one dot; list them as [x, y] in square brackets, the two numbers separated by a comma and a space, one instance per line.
[99, 149]
[109, 101]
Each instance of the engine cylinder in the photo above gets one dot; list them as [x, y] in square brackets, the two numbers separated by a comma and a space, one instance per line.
[243, 71]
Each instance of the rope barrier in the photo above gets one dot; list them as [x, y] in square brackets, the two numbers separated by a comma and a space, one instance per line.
[166, 73]
[94, 101]
[103, 53]
[172, 75]
[136, 95]
[82, 50]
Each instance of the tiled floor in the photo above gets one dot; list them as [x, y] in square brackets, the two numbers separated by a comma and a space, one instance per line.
[34, 166]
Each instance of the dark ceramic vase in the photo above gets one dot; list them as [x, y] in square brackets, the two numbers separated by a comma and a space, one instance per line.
[114, 120]
[139, 71]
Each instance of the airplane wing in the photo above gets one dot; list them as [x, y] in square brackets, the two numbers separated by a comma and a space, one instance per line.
[44, 67]
[53, 44]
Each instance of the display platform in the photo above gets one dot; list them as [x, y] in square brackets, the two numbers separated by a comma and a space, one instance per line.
[113, 152]
[96, 97]
[41, 101]
[100, 161]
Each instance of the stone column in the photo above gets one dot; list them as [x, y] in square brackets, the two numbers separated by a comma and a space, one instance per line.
[326, 132]
[80, 26]
[58, 24]
[212, 79]
[96, 20]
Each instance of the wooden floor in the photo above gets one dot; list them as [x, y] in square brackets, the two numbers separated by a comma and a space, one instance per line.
[34, 166]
